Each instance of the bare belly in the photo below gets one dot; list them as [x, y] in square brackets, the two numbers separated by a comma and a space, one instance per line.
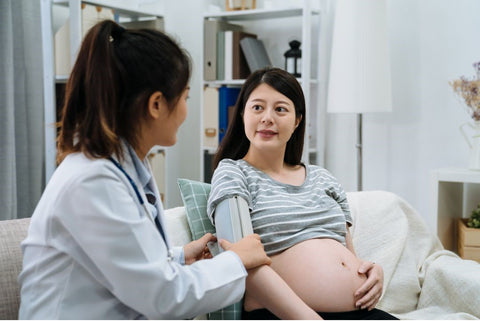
[322, 272]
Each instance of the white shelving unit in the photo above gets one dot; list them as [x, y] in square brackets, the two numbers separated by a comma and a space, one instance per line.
[307, 30]
[125, 12]
[455, 195]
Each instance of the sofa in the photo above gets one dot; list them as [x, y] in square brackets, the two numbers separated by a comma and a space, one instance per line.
[421, 279]
[12, 232]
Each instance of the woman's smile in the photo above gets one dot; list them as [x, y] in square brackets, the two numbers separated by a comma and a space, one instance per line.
[266, 133]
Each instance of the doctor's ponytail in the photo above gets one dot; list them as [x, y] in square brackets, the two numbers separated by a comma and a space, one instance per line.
[107, 93]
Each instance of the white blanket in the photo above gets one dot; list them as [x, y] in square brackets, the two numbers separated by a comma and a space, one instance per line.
[421, 279]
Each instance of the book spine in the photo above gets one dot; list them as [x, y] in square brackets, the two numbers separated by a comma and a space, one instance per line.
[247, 49]
[255, 53]
[227, 96]
[220, 62]
[210, 117]
[211, 29]
[210, 50]
[240, 69]
[228, 57]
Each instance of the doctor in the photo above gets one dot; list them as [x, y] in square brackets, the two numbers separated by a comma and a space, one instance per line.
[96, 247]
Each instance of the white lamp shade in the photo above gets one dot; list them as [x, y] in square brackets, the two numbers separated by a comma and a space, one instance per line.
[359, 79]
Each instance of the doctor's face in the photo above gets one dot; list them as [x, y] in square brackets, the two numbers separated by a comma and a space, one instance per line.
[168, 128]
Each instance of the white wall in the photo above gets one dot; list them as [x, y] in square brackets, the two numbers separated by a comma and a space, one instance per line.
[184, 21]
[432, 42]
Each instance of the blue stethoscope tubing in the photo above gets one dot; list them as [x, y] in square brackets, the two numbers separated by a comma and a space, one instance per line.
[135, 188]
[137, 192]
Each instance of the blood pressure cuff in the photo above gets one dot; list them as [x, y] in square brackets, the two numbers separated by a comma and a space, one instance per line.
[232, 221]
[195, 196]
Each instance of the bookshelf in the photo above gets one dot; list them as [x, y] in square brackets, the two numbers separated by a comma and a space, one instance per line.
[303, 23]
[70, 20]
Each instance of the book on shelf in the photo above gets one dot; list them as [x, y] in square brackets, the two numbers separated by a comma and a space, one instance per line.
[210, 117]
[220, 62]
[239, 62]
[90, 15]
[231, 62]
[227, 58]
[227, 97]
[156, 23]
[255, 53]
[211, 29]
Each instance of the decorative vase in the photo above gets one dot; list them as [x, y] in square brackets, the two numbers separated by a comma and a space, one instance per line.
[474, 144]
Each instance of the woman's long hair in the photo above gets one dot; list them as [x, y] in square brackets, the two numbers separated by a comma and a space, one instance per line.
[235, 143]
[106, 96]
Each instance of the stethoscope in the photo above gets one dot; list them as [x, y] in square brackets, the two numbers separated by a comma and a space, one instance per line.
[142, 203]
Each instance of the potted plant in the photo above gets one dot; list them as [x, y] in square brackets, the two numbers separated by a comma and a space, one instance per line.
[469, 236]
[474, 220]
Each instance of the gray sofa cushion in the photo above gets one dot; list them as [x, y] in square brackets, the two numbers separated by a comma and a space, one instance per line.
[12, 233]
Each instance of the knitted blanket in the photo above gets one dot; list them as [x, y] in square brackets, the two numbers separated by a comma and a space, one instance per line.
[421, 279]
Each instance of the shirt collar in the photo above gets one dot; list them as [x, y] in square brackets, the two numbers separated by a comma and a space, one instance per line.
[144, 175]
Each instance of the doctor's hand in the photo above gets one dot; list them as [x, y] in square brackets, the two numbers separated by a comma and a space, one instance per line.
[249, 249]
[198, 250]
[369, 293]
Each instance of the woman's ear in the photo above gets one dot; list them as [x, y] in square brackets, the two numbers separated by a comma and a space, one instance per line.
[156, 105]
[298, 120]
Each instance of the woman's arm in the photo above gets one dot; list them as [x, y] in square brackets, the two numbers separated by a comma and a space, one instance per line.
[266, 289]
[369, 293]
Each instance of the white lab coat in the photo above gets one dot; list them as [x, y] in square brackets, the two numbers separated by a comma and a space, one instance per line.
[93, 253]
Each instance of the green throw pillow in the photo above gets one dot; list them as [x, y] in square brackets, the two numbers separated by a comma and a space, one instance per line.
[195, 197]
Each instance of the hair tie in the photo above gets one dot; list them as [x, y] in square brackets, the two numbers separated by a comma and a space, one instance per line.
[119, 30]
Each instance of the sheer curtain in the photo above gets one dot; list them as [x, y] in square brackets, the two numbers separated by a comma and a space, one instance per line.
[21, 108]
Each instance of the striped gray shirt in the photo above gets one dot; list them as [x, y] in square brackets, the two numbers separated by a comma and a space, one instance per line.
[282, 214]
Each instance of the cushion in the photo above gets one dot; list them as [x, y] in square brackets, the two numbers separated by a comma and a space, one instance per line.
[195, 197]
[177, 226]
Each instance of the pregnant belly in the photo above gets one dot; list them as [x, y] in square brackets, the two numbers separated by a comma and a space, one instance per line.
[322, 272]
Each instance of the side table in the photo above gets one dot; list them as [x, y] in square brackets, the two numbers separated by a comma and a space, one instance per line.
[456, 192]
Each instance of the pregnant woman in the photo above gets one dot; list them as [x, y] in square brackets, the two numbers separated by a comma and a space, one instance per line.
[300, 211]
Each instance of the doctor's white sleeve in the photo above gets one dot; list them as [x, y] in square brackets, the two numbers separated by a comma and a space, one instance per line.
[123, 250]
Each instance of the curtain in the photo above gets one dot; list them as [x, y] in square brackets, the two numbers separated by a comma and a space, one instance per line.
[21, 108]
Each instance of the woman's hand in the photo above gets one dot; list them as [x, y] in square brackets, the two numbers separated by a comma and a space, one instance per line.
[369, 293]
[198, 250]
[249, 249]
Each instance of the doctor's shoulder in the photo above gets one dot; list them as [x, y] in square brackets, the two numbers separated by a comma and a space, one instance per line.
[77, 172]
[77, 167]
[61, 191]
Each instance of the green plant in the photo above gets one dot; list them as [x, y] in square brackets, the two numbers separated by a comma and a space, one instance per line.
[474, 220]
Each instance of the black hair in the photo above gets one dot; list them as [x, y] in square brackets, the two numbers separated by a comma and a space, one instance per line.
[115, 73]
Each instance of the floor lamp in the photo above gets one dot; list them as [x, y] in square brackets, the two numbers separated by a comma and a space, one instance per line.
[359, 78]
